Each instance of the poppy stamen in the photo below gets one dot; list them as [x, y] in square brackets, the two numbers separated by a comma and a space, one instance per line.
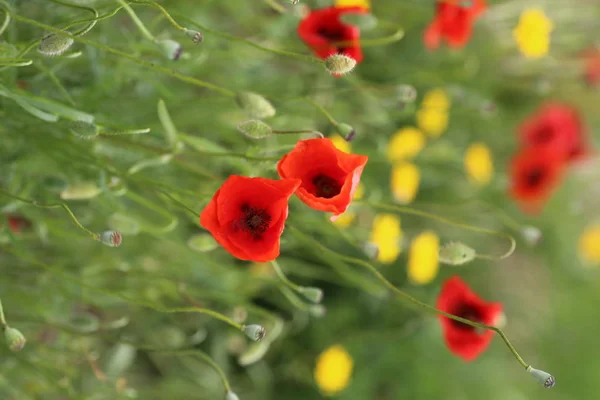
[255, 220]
[326, 186]
[535, 177]
[466, 312]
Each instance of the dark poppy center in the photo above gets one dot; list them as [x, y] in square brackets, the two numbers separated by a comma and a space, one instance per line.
[544, 135]
[535, 177]
[254, 220]
[333, 36]
[326, 186]
[467, 312]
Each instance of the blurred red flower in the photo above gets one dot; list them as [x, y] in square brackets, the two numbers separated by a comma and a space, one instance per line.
[535, 172]
[16, 224]
[592, 66]
[329, 176]
[557, 127]
[322, 28]
[247, 215]
[463, 340]
[453, 22]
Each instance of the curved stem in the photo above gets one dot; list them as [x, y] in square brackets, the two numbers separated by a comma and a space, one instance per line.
[138, 22]
[412, 211]
[406, 297]
[394, 37]
[125, 132]
[6, 18]
[15, 62]
[316, 133]
[322, 110]
[284, 278]
[182, 205]
[162, 9]
[276, 6]
[91, 23]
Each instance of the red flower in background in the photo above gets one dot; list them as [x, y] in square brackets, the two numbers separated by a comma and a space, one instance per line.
[453, 22]
[322, 28]
[535, 172]
[464, 340]
[557, 127]
[247, 215]
[329, 176]
[592, 66]
[16, 224]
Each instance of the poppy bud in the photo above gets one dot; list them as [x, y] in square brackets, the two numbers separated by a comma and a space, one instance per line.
[111, 238]
[232, 396]
[542, 377]
[346, 131]
[254, 332]
[255, 105]
[84, 129]
[456, 253]
[14, 339]
[339, 64]
[255, 129]
[197, 37]
[54, 44]
[531, 234]
[170, 48]
[81, 191]
[313, 294]
[317, 310]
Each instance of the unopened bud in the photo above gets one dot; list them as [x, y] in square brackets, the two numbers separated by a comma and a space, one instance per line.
[532, 235]
[406, 93]
[339, 64]
[196, 36]
[542, 377]
[346, 131]
[14, 339]
[317, 310]
[82, 191]
[111, 238]
[231, 396]
[83, 129]
[170, 48]
[254, 332]
[255, 129]
[313, 294]
[255, 105]
[456, 253]
[54, 44]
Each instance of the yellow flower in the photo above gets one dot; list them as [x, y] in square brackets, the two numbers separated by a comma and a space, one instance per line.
[423, 258]
[261, 269]
[532, 34]
[359, 192]
[333, 370]
[386, 235]
[432, 121]
[353, 3]
[340, 143]
[436, 98]
[406, 143]
[478, 164]
[405, 182]
[589, 244]
[347, 218]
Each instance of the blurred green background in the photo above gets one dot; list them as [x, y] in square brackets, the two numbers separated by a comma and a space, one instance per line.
[94, 316]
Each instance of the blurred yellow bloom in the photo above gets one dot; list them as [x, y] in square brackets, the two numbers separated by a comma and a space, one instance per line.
[386, 235]
[353, 3]
[432, 121]
[532, 34]
[436, 98]
[261, 269]
[405, 182]
[423, 258]
[406, 143]
[340, 143]
[333, 370]
[478, 164]
[359, 192]
[589, 244]
[347, 218]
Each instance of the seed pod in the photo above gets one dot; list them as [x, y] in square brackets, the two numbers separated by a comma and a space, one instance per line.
[456, 253]
[111, 238]
[255, 105]
[14, 339]
[84, 129]
[54, 44]
[255, 129]
[254, 332]
[196, 36]
[542, 377]
[346, 131]
[170, 48]
[339, 64]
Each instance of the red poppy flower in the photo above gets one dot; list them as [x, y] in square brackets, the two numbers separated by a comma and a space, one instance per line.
[16, 224]
[246, 216]
[535, 172]
[464, 340]
[453, 22]
[558, 127]
[322, 29]
[592, 66]
[329, 176]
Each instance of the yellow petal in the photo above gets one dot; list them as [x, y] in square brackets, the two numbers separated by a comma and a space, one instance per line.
[333, 370]
[405, 182]
[359, 192]
[423, 258]
[340, 143]
[386, 234]
[432, 121]
[478, 164]
[532, 34]
[436, 99]
[406, 143]
[589, 244]
[353, 3]
[344, 220]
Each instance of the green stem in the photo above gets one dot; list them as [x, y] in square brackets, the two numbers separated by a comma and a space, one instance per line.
[412, 211]
[322, 110]
[125, 132]
[56, 82]
[15, 62]
[316, 133]
[6, 18]
[166, 71]
[2, 318]
[284, 278]
[94, 236]
[91, 23]
[182, 205]
[138, 22]
[408, 298]
[162, 9]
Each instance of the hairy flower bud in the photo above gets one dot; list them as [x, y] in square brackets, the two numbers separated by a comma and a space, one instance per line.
[456, 253]
[170, 48]
[254, 332]
[84, 129]
[531, 234]
[313, 294]
[196, 36]
[339, 64]
[255, 105]
[111, 238]
[14, 339]
[542, 377]
[54, 44]
[255, 129]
